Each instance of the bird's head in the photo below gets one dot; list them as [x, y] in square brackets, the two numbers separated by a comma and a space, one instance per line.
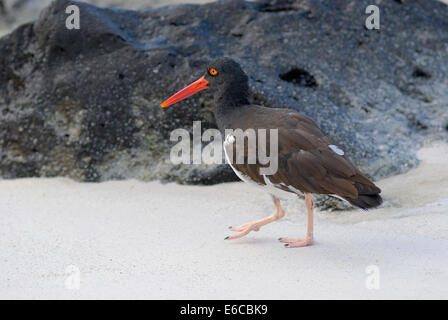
[221, 73]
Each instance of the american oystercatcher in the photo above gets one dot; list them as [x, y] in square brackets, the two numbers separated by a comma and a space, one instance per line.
[308, 161]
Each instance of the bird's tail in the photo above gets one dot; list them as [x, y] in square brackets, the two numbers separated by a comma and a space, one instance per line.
[366, 201]
[368, 194]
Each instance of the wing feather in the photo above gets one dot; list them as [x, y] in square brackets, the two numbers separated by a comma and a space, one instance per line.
[306, 161]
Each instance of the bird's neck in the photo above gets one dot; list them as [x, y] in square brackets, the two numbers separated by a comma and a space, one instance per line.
[228, 99]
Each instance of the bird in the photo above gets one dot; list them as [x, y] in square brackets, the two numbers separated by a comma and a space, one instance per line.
[309, 162]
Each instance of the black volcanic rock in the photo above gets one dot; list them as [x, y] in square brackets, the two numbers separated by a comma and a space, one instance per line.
[85, 103]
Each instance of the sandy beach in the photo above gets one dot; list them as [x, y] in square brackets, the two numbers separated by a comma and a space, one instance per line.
[130, 239]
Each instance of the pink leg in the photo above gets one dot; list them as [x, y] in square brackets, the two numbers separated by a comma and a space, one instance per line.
[308, 240]
[256, 225]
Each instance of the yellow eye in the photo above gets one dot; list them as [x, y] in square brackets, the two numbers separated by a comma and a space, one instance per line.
[213, 72]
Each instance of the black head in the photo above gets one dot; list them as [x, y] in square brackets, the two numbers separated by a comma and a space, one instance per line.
[224, 76]
[224, 72]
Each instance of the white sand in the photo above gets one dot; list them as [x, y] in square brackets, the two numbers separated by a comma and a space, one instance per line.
[147, 240]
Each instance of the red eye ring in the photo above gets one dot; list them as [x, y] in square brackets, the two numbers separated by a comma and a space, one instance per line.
[213, 72]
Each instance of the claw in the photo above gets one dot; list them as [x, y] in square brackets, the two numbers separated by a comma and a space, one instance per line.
[297, 243]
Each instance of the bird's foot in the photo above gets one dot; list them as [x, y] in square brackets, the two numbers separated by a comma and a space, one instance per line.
[244, 229]
[256, 225]
[297, 243]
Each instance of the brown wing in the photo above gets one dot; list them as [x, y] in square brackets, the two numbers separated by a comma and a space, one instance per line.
[306, 162]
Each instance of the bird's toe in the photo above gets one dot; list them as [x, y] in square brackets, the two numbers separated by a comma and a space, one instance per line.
[297, 243]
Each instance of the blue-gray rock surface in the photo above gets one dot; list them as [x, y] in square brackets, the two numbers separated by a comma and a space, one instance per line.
[85, 103]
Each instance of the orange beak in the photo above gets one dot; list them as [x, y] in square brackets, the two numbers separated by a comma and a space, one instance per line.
[189, 90]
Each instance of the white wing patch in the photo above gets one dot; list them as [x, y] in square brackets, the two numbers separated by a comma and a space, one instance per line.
[267, 181]
[292, 189]
[336, 149]
[229, 139]
[270, 184]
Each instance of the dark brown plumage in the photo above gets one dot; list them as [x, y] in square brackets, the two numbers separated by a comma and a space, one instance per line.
[308, 161]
